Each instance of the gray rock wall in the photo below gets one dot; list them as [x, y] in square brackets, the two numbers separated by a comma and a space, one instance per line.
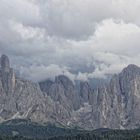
[116, 105]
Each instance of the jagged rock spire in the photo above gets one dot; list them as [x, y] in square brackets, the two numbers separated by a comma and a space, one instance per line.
[7, 74]
[5, 63]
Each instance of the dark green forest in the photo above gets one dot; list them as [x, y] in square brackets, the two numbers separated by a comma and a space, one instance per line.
[27, 130]
[103, 135]
[94, 135]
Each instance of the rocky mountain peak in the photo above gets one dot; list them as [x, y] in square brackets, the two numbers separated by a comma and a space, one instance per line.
[115, 105]
[131, 70]
[7, 75]
[132, 66]
[128, 74]
[125, 79]
[64, 80]
[5, 63]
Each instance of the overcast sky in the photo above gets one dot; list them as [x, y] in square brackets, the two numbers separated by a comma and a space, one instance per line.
[83, 38]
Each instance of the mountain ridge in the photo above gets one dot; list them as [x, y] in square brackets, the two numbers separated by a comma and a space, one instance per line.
[114, 105]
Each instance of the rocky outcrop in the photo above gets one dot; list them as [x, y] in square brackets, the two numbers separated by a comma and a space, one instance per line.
[86, 92]
[115, 105]
[7, 75]
[24, 99]
[5, 63]
[124, 91]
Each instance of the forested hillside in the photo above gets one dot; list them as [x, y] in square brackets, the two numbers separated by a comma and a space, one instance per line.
[101, 134]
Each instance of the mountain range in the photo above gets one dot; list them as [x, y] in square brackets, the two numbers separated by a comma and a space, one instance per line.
[115, 105]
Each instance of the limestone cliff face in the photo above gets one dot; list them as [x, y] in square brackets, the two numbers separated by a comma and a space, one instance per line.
[24, 99]
[124, 91]
[86, 92]
[7, 75]
[115, 105]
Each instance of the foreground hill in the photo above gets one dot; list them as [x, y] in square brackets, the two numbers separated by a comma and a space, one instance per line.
[28, 129]
[102, 135]
[25, 130]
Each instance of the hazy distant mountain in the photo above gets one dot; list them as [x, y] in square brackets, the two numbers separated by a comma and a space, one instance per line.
[112, 105]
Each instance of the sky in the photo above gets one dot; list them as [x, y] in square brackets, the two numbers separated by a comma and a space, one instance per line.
[82, 39]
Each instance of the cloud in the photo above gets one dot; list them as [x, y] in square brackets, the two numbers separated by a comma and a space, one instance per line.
[77, 19]
[84, 38]
[37, 72]
[114, 45]
[25, 11]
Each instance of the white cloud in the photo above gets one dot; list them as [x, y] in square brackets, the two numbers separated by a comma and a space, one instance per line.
[114, 45]
[76, 18]
[26, 32]
[42, 72]
[25, 11]
[86, 38]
